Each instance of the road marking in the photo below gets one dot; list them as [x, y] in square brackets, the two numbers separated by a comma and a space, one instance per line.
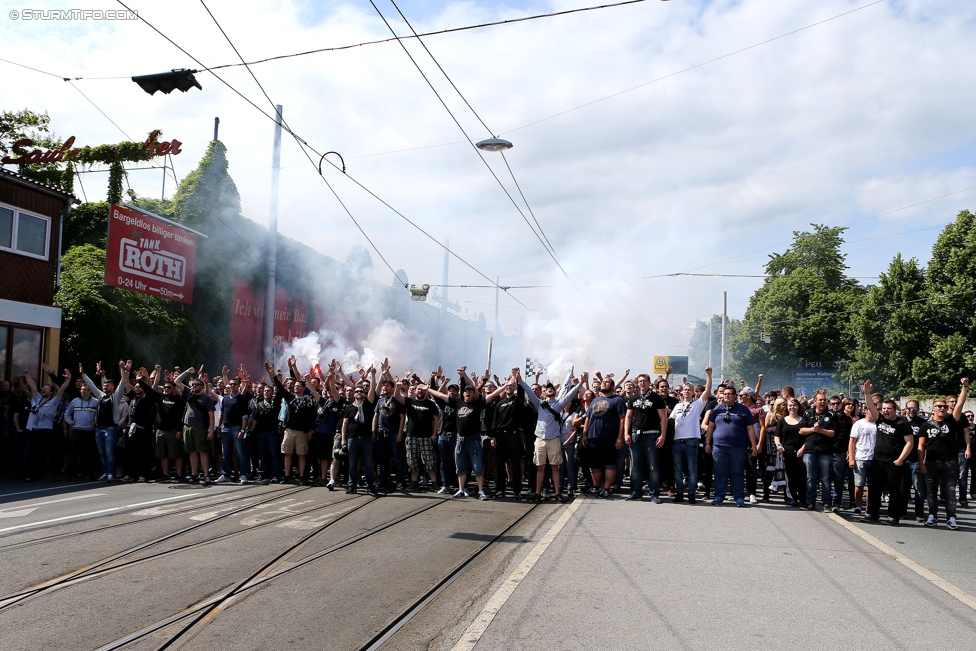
[4, 496]
[472, 636]
[63, 499]
[921, 570]
[84, 515]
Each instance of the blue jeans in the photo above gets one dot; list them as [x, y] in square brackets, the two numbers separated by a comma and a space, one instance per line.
[838, 470]
[105, 442]
[621, 462]
[963, 463]
[228, 441]
[567, 470]
[361, 448]
[644, 464]
[269, 454]
[818, 469]
[445, 450]
[730, 468]
[684, 452]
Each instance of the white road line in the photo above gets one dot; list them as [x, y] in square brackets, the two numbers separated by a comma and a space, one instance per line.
[85, 515]
[63, 499]
[472, 636]
[921, 570]
[4, 496]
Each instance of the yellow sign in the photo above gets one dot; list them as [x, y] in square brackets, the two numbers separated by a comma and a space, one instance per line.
[660, 365]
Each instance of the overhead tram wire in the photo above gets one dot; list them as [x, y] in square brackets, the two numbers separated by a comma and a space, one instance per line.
[548, 244]
[303, 143]
[471, 142]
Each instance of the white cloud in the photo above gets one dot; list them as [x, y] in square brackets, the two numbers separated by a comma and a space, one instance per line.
[858, 116]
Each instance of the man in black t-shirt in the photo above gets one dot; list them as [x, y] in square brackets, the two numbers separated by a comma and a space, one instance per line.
[358, 434]
[422, 416]
[962, 433]
[938, 457]
[645, 431]
[817, 430]
[169, 432]
[914, 476]
[892, 446]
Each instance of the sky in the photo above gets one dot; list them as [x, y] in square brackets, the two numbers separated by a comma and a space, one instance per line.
[654, 138]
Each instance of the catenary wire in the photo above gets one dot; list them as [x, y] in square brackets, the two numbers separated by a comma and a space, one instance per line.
[468, 138]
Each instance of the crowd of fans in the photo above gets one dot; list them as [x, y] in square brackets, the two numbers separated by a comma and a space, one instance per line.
[493, 437]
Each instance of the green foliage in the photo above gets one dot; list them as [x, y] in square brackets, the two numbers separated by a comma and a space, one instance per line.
[87, 223]
[698, 347]
[801, 304]
[102, 323]
[27, 124]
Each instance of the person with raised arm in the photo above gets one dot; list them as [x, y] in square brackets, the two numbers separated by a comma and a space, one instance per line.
[937, 456]
[468, 454]
[44, 405]
[893, 443]
[300, 416]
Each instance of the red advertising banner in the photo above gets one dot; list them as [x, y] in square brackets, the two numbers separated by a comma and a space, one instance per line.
[151, 256]
[294, 317]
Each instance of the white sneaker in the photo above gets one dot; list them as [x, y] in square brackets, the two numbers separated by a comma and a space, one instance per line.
[952, 523]
[753, 500]
[460, 495]
[482, 496]
[243, 479]
[930, 522]
[103, 478]
[220, 480]
[444, 491]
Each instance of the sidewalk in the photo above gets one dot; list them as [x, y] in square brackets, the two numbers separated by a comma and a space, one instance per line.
[623, 575]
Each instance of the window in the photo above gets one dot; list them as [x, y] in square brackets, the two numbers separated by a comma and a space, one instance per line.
[25, 350]
[24, 233]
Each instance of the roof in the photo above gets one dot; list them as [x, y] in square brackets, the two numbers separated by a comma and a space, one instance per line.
[46, 188]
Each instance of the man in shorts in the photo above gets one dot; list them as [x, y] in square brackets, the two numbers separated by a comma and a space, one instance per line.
[860, 452]
[548, 447]
[603, 435]
[169, 431]
[198, 429]
[303, 402]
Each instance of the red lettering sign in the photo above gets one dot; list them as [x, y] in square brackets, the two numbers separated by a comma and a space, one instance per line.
[65, 153]
[149, 256]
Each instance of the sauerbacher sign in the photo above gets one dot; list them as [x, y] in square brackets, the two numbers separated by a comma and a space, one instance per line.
[151, 255]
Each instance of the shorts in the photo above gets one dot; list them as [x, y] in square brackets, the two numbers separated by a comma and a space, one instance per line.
[168, 446]
[420, 448]
[602, 454]
[548, 451]
[861, 472]
[195, 439]
[468, 456]
[336, 442]
[295, 442]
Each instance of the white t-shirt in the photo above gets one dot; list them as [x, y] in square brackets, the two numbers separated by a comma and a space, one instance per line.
[687, 419]
[864, 432]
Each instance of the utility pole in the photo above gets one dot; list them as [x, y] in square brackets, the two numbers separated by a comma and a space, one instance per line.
[442, 314]
[269, 296]
[711, 322]
[725, 317]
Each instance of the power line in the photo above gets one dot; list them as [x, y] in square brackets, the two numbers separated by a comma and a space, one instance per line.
[471, 142]
[99, 110]
[697, 65]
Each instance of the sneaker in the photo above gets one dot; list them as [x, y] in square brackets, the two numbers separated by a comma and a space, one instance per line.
[373, 492]
[740, 503]
[828, 509]
[691, 499]
[460, 495]
[857, 511]
[350, 491]
[262, 482]
[498, 494]
[655, 499]
[560, 498]
[399, 486]
[206, 481]
[444, 491]
[222, 479]
[634, 497]
[952, 524]
[714, 502]
[482, 496]
[243, 479]
[835, 509]
[592, 490]
[103, 478]
[891, 521]
[603, 494]
[110, 478]
[330, 485]
[141, 480]
[920, 518]
[810, 507]
[753, 500]
[931, 521]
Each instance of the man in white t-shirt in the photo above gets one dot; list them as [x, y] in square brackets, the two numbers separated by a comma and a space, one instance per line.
[687, 416]
[860, 451]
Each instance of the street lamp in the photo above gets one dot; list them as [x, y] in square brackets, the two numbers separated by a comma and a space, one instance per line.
[493, 144]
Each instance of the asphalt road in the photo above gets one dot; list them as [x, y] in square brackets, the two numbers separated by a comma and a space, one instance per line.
[87, 565]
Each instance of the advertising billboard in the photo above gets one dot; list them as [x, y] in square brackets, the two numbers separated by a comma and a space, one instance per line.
[150, 255]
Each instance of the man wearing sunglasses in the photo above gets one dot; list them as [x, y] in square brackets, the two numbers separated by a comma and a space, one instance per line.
[938, 458]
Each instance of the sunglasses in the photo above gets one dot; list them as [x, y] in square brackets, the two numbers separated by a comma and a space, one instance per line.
[939, 406]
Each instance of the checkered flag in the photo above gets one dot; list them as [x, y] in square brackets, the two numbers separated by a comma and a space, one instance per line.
[534, 365]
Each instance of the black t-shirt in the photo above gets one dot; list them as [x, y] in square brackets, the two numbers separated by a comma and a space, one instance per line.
[842, 432]
[890, 439]
[941, 443]
[645, 417]
[448, 423]
[357, 428]
[262, 415]
[142, 411]
[919, 431]
[420, 417]
[819, 443]
[468, 415]
[507, 412]
[330, 415]
[171, 409]
[961, 426]
[789, 435]
[389, 411]
[233, 409]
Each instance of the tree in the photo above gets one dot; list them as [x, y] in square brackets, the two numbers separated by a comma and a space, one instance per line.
[803, 305]
[698, 346]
